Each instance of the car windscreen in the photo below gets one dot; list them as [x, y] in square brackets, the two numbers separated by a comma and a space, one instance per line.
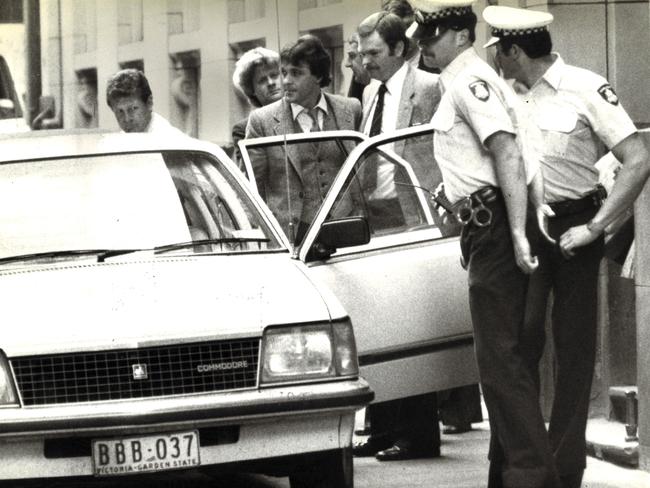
[175, 201]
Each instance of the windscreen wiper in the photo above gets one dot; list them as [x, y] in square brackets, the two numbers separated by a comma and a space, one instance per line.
[221, 241]
[102, 254]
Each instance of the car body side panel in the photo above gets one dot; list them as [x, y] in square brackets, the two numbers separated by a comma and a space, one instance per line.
[409, 307]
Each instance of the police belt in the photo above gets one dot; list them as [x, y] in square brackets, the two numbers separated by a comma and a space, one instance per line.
[593, 199]
[475, 208]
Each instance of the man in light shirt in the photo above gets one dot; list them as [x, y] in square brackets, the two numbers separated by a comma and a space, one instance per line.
[129, 96]
[399, 96]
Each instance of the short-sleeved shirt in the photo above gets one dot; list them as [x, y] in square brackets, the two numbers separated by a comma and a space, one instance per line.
[580, 118]
[476, 103]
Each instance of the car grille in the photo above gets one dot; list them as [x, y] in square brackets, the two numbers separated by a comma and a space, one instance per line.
[162, 371]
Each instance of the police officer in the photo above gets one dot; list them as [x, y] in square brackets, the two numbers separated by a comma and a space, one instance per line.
[476, 147]
[579, 116]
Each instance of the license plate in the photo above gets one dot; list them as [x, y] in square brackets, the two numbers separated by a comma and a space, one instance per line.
[143, 454]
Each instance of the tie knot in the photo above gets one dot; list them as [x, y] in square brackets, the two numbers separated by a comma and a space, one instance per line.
[382, 89]
[313, 115]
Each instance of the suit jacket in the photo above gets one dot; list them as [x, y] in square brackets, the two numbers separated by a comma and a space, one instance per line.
[418, 101]
[310, 167]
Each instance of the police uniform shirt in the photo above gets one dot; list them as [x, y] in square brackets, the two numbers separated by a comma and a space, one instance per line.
[473, 107]
[580, 118]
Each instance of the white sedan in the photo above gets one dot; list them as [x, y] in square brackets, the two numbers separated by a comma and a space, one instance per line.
[155, 318]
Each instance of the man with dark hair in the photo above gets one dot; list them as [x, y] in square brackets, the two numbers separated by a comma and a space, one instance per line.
[399, 96]
[294, 191]
[476, 146]
[129, 96]
[579, 116]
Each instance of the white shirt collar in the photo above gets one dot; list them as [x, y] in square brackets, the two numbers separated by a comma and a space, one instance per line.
[296, 109]
[394, 83]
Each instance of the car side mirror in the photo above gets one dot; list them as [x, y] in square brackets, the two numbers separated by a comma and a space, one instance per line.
[335, 234]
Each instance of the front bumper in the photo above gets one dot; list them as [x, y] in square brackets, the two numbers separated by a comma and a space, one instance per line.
[264, 423]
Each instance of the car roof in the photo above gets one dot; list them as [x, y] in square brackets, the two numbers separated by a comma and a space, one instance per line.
[66, 143]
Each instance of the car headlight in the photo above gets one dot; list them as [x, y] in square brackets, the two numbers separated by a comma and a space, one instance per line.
[309, 352]
[7, 391]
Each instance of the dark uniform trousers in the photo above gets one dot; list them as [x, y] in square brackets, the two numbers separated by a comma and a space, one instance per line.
[407, 422]
[520, 452]
[574, 283]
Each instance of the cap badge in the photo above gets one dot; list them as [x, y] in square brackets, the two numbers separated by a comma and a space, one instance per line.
[608, 94]
[480, 90]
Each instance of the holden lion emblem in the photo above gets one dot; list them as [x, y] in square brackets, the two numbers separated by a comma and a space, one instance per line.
[140, 371]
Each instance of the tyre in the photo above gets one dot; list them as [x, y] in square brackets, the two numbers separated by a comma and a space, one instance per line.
[330, 469]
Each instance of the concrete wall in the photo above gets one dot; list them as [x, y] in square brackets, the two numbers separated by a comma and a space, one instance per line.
[642, 282]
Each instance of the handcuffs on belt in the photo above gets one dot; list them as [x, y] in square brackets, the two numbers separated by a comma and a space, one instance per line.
[467, 210]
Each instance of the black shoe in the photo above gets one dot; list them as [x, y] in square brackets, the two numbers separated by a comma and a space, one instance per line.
[401, 453]
[457, 429]
[367, 448]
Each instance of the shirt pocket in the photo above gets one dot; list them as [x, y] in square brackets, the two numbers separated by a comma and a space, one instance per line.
[557, 126]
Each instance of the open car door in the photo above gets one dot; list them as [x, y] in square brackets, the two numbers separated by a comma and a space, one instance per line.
[392, 260]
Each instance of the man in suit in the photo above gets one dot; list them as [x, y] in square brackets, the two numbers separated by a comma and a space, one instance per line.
[295, 186]
[399, 96]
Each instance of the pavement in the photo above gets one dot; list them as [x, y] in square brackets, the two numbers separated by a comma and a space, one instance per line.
[464, 464]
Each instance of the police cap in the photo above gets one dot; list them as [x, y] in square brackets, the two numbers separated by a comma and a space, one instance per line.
[431, 14]
[514, 22]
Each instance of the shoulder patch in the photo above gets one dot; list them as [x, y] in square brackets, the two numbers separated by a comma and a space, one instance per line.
[608, 94]
[480, 90]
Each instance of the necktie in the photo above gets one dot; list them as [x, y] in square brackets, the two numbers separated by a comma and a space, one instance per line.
[375, 127]
[313, 114]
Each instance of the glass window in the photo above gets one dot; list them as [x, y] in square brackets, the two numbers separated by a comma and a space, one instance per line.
[127, 201]
[391, 186]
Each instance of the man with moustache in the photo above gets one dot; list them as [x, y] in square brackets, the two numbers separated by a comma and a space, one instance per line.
[294, 189]
[476, 143]
[399, 96]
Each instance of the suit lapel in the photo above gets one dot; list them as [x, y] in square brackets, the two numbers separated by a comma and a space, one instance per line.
[406, 100]
[405, 109]
[373, 87]
[337, 115]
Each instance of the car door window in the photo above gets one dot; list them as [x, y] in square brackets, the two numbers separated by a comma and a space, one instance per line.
[391, 185]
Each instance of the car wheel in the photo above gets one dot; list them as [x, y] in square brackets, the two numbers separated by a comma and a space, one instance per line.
[331, 469]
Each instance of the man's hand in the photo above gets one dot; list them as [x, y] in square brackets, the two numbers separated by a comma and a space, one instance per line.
[576, 237]
[526, 262]
[543, 212]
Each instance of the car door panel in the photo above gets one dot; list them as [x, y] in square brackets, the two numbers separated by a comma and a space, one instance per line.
[409, 307]
[405, 290]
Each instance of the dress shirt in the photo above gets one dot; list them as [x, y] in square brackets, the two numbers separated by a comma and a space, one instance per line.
[301, 114]
[394, 86]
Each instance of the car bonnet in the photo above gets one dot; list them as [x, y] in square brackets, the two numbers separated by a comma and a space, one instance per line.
[118, 304]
